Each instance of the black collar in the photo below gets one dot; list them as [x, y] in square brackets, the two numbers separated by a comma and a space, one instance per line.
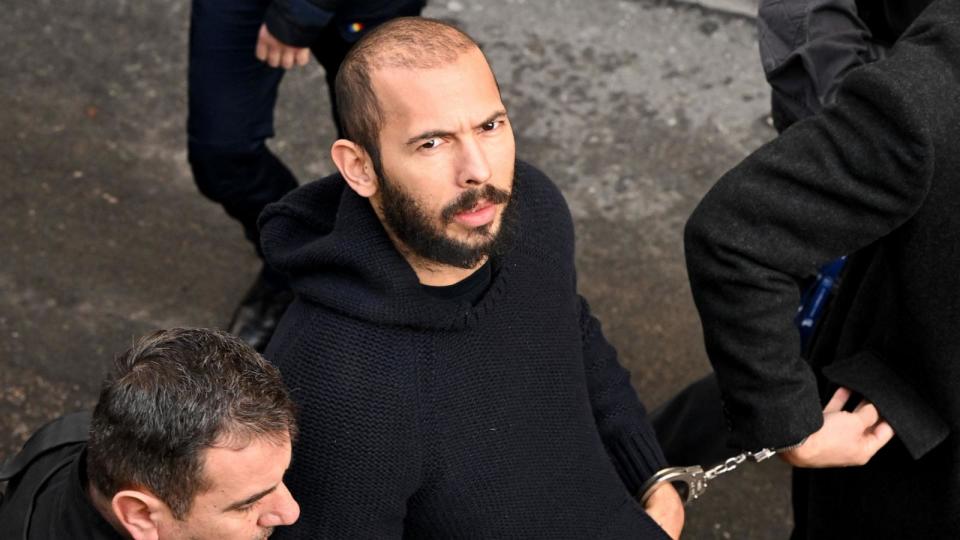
[470, 289]
[62, 507]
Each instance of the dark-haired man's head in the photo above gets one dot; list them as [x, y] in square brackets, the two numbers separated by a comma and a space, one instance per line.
[191, 438]
[428, 141]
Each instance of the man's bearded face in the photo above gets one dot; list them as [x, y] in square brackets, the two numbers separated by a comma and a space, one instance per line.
[425, 235]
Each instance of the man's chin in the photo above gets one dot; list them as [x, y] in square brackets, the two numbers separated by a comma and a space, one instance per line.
[465, 253]
[476, 236]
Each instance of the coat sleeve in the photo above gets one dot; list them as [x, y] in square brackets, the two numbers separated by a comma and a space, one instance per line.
[828, 186]
[806, 48]
[620, 417]
[298, 22]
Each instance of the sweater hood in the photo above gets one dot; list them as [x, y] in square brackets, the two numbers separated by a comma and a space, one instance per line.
[329, 242]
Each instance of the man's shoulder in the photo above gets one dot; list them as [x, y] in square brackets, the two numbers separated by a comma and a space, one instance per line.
[918, 74]
[332, 361]
[44, 464]
[65, 431]
[537, 191]
[542, 204]
[44, 475]
[314, 204]
[325, 341]
[532, 180]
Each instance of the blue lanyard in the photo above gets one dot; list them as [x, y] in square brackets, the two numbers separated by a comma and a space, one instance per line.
[814, 300]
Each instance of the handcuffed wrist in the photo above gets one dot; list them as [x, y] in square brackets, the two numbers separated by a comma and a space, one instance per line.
[791, 446]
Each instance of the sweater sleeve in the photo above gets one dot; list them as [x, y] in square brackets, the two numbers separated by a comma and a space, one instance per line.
[620, 417]
[828, 186]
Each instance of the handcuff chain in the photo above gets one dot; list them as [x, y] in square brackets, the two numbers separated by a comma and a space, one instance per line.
[733, 462]
[695, 478]
[728, 465]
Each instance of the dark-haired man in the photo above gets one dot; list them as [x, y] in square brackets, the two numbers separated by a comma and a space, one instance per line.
[190, 439]
[452, 382]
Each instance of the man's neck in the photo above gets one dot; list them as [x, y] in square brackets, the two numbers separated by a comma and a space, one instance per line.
[438, 275]
[103, 507]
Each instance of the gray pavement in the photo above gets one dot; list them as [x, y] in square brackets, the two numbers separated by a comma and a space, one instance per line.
[634, 107]
[746, 8]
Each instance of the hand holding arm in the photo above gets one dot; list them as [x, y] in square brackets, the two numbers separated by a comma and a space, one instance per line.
[278, 54]
[846, 438]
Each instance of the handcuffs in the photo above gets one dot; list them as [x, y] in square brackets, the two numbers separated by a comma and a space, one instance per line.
[690, 482]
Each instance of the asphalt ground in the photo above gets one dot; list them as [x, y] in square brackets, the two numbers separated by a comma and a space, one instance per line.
[634, 108]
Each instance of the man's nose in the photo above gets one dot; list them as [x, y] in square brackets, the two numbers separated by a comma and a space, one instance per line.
[284, 509]
[474, 166]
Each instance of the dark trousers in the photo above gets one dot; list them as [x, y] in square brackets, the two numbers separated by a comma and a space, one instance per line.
[231, 97]
[691, 427]
[231, 100]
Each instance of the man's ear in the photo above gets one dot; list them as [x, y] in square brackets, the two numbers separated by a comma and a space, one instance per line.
[356, 167]
[138, 513]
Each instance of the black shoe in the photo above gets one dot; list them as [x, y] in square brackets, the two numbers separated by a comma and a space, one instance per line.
[259, 312]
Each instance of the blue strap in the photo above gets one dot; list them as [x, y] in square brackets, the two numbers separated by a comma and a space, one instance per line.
[814, 301]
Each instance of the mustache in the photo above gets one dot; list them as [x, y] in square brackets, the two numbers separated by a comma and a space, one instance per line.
[468, 199]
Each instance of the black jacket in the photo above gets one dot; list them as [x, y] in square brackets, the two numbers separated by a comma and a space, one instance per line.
[808, 46]
[46, 497]
[875, 176]
[428, 418]
[298, 22]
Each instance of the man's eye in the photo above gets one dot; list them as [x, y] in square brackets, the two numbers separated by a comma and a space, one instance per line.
[245, 508]
[430, 144]
[491, 125]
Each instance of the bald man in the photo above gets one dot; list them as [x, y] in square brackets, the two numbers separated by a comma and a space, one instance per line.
[451, 380]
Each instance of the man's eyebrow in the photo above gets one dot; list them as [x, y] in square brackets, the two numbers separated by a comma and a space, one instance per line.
[428, 135]
[492, 117]
[251, 499]
[440, 133]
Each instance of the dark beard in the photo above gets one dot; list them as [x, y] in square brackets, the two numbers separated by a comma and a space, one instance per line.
[412, 226]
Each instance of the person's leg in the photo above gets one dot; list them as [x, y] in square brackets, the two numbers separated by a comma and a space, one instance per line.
[691, 427]
[800, 493]
[242, 182]
[231, 100]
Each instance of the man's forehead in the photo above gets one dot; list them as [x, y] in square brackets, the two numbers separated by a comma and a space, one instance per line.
[260, 461]
[456, 91]
[470, 66]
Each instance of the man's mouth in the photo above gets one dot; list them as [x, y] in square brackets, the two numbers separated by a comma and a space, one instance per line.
[478, 216]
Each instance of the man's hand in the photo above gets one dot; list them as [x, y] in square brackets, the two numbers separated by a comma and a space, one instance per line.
[846, 438]
[666, 508]
[278, 54]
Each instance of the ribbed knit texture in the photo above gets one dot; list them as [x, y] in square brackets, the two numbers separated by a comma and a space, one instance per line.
[427, 418]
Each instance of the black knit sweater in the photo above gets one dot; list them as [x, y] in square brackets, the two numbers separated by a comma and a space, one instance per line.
[428, 418]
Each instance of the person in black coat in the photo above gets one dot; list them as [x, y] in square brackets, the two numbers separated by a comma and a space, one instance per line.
[875, 176]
